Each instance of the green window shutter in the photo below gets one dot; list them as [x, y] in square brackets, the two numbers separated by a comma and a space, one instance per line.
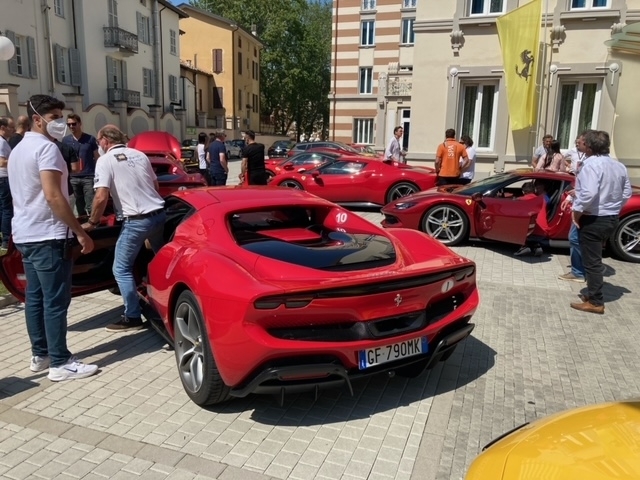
[111, 73]
[33, 61]
[59, 60]
[124, 74]
[13, 62]
[74, 64]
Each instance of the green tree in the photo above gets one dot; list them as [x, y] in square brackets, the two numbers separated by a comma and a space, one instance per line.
[295, 71]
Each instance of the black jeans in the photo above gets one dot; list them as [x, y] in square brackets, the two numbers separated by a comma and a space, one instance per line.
[218, 179]
[592, 233]
[205, 173]
[448, 181]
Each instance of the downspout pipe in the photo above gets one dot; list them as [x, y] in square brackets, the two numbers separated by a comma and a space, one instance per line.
[47, 34]
[157, 55]
[335, 70]
[75, 35]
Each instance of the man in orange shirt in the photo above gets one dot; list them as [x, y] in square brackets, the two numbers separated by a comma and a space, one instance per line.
[448, 166]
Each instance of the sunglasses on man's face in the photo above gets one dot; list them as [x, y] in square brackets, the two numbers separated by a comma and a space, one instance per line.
[72, 124]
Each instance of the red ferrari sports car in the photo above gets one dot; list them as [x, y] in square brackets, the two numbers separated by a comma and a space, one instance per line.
[360, 181]
[277, 290]
[495, 209]
[164, 152]
[306, 161]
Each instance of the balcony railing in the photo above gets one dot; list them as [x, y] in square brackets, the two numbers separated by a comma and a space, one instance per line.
[119, 38]
[368, 4]
[121, 95]
[409, 3]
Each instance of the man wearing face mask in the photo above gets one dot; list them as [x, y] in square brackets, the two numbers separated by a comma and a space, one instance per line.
[42, 224]
[127, 174]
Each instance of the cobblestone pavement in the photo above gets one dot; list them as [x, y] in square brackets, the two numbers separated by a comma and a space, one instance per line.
[530, 355]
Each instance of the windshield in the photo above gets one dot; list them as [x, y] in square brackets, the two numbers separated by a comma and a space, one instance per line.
[485, 185]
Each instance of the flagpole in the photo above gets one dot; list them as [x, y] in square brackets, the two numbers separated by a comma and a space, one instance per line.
[543, 80]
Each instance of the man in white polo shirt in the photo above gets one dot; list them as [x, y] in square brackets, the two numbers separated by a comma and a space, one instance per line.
[42, 226]
[127, 174]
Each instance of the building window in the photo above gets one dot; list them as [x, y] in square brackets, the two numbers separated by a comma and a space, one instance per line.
[589, 4]
[144, 28]
[58, 8]
[486, 7]
[363, 130]
[239, 100]
[173, 42]
[61, 56]
[148, 82]
[255, 52]
[408, 36]
[112, 7]
[479, 111]
[366, 81]
[24, 62]
[578, 111]
[368, 4]
[368, 32]
[239, 42]
[116, 73]
[217, 97]
[239, 63]
[173, 88]
[217, 60]
[409, 3]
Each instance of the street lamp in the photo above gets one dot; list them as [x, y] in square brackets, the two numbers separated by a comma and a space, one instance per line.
[7, 48]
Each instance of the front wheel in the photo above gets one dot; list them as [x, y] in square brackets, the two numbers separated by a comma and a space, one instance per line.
[625, 241]
[446, 223]
[400, 190]
[196, 366]
[291, 184]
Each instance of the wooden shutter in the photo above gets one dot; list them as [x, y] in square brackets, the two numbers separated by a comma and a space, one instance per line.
[59, 59]
[217, 60]
[13, 62]
[33, 61]
[111, 73]
[74, 66]
[140, 27]
[124, 73]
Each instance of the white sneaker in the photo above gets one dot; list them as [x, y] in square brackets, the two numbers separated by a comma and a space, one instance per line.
[39, 364]
[538, 251]
[71, 370]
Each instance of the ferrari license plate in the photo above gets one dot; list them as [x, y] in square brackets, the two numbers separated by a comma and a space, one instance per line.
[388, 353]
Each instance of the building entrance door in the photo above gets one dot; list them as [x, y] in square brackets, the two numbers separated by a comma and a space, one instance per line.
[405, 121]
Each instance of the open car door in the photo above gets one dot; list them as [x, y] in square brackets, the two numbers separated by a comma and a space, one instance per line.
[91, 272]
[506, 220]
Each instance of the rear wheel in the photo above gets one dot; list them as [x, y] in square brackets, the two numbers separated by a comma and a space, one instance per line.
[446, 223]
[196, 366]
[625, 241]
[400, 190]
[291, 184]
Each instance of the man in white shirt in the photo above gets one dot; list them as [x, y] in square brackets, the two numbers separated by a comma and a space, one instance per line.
[393, 151]
[127, 174]
[542, 149]
[7, 130]
[42, 227]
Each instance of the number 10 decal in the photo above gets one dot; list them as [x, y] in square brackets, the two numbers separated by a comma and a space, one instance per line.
[341, 217]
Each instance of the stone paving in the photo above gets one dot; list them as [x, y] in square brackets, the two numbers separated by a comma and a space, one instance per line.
[530, 355]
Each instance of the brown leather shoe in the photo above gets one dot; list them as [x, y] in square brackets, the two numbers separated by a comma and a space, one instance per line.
[588, 307]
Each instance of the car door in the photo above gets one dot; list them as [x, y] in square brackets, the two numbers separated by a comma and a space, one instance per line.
[91, 272]
[339, 181]
[505, 215]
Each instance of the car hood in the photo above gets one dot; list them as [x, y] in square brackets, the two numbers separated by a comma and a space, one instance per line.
[598, 442]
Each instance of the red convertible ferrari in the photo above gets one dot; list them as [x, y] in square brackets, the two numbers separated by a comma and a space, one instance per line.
[496, 209]
[306, 161]
[360, 181]
[276, 290]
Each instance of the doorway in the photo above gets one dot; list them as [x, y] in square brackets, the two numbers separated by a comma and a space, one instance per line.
[405, 121]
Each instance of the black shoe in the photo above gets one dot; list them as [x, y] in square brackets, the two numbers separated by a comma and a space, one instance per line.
[127, 324]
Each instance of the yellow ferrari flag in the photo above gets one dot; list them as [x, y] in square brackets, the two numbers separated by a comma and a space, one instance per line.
[519, 33]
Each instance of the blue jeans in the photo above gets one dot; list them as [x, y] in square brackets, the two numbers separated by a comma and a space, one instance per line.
[577, 269]
[6, 210]
[130, 241]
[218, 179]
[47, 298]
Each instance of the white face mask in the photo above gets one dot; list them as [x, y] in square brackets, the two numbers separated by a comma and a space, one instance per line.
[57, 128]
[101, 150]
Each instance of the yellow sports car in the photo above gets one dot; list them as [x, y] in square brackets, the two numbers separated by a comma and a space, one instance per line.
[597, 442]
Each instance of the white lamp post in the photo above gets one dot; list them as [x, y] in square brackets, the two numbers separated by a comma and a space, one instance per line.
[7, 48]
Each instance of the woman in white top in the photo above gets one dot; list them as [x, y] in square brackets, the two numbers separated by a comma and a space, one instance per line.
[201, 151]
[467, 175]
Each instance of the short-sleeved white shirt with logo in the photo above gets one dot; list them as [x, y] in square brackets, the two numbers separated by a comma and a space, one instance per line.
[33, 219]
[129, 176]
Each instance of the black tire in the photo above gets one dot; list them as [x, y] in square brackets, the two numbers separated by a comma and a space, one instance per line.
[196, 366]
[400, 190]
[446, 223]
[291, 184]
[625, 241]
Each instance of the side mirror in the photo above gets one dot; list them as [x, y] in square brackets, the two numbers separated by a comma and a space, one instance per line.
[288, 167]
[315, 174]
[477, 197]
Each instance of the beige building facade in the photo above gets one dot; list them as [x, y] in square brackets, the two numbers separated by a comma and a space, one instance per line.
[457, 79]
[216, 45]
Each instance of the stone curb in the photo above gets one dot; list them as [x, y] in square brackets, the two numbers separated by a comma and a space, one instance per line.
[8, 299]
